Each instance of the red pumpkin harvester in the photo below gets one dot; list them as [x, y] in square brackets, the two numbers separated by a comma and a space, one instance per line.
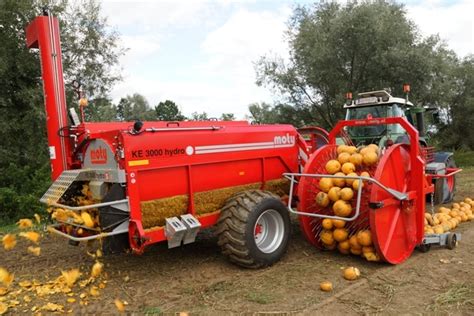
[134, 184]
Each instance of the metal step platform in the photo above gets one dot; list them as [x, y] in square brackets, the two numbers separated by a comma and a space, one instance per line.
[62, 183]
[182, 230]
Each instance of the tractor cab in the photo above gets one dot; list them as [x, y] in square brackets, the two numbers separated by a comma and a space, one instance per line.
[380, 104]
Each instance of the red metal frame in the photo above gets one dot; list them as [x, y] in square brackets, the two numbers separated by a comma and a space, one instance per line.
[315, 133]
[417, 173]
[397, 226]
[449, 176]
[43, 33]
[450, 172]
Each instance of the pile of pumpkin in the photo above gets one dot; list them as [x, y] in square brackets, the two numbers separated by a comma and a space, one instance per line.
[447, 219]
[337, 194]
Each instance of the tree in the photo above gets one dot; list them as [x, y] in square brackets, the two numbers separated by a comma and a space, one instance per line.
[195, 116]
[135, 107]
[228, 117]
[90, 48]
[124, 109]
[100, 109]
[168, 111]
[87, 43]
[456, 132]
[356, 47]
[262, 113]
[294, 115]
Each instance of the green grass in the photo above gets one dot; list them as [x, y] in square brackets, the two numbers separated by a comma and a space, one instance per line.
[456, 296]
[13, 228]
[260, 298]
[464, 158]
[152, 310]
[8, 228]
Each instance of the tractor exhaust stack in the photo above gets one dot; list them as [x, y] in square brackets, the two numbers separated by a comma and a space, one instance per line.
[43, 33]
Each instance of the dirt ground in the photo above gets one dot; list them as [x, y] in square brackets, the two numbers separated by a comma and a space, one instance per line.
[197, 279]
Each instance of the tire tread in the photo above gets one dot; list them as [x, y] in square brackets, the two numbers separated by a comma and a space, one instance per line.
[231, 226]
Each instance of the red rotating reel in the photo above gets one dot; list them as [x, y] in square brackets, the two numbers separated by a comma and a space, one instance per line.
[396, 225]
[308, 188]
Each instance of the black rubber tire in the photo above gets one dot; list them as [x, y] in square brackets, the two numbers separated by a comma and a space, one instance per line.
[439, 193]
[451, 241]
[424, 247]
[235, 228]
[451, 164]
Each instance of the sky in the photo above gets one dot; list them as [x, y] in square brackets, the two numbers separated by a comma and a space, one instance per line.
[201, 54]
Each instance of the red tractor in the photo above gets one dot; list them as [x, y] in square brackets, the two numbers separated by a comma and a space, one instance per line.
[134, 184]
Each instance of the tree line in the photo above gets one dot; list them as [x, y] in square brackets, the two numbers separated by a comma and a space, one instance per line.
[136, 107]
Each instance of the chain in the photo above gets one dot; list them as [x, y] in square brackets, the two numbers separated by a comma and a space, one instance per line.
[432, 208]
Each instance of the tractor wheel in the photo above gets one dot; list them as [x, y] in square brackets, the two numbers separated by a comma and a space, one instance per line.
[254, 229]
[451, 182]
[424, 247]
[439, 191]
[445, 188]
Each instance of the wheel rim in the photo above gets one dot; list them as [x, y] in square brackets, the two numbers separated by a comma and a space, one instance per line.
[269, 231]
[455, 240]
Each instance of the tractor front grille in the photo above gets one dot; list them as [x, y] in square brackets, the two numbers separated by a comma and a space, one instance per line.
[427, 153]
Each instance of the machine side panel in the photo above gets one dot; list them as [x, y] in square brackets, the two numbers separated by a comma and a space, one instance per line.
[195, 172]
[226, 174]
[164, 182]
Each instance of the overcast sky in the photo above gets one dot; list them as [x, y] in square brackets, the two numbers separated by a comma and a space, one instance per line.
[200, 53]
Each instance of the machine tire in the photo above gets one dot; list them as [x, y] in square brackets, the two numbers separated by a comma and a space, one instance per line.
[451, 164]
[438, 191]
[442, 196]
[237, 229]
[424, 248]
[451, 241]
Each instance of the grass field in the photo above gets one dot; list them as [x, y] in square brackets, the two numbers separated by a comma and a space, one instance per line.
[8, 228]
[464, 158]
